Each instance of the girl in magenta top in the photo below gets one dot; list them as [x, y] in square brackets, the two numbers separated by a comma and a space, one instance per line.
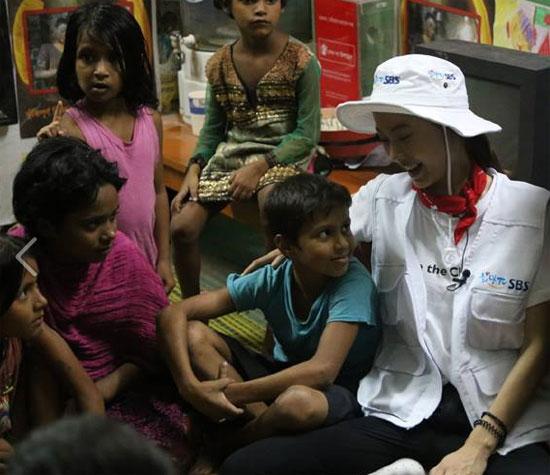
[105, 73]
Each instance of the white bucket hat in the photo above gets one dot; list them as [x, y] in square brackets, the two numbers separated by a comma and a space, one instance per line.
[421, 85]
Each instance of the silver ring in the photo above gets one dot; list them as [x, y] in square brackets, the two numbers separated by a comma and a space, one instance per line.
[222, 420]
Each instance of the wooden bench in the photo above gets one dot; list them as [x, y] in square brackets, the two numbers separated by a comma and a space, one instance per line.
[179, 143]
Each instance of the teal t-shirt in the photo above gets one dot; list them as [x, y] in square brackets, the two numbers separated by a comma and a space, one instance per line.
[351, 298]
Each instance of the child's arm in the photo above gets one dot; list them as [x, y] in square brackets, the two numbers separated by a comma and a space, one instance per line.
[212, 133]
[120, 379]
[162, 217]
[64, 363]
[318, 372]
[207, 396]
[513, 397]
[61, 124]
[6, 450]
[300, 142]
[295, 146]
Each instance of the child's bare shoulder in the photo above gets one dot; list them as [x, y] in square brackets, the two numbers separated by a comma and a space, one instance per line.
[70, 127]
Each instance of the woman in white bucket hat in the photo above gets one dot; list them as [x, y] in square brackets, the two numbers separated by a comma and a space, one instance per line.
[461, 258]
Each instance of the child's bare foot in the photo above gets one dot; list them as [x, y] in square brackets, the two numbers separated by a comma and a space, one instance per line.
[206, 463]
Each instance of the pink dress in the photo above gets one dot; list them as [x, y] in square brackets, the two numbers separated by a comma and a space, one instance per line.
[106, 312]
[136, 162]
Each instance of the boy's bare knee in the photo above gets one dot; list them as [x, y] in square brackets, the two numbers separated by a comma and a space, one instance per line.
[300, 407]
[198, 337]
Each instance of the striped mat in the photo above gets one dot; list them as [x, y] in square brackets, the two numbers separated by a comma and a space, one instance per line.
[243, 326]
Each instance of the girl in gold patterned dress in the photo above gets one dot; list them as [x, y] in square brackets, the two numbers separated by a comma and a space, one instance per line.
[262, 125]
[21, 319]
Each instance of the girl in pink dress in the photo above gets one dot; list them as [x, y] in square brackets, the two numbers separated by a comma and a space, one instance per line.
[105, 74]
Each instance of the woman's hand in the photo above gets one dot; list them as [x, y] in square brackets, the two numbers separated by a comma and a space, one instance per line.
[274, 257]
[244, 181]
[470, 459]
[189, 188]
[164, 270]
[53, 129]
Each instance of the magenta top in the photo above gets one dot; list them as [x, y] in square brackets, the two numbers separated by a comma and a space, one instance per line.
[136, 162]
[106, 311]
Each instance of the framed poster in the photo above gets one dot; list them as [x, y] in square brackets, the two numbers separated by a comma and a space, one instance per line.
[523, 25]
[425, 22]
[44, 36]
[8, 107]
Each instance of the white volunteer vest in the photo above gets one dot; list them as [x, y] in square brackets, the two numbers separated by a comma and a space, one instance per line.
[404, 386]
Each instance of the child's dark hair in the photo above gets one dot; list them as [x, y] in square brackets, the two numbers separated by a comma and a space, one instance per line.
[117, 28]
[59, 176]
[226, 5]
[88, 445]
[300, 199]
[11, 270]
[479, 150]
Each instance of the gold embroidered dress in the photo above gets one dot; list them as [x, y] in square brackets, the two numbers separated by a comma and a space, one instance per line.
[280, 117]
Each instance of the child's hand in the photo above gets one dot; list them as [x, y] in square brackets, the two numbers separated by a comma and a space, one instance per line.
[209, 399]
[274, 257]
[164, 270]
[54, 128]
[245, 180]
[189, 189]
[6, 451]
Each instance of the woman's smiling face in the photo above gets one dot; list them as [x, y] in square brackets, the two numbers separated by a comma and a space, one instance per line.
[418, 146]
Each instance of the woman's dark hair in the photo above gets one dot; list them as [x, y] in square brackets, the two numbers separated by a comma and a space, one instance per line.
[59, 176]
[11, 270]
[480, 151]
[88, 445]
[226, 4]
[115, 27]
[299, 200]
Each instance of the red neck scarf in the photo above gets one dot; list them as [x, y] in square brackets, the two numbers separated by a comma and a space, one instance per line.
[463, 204]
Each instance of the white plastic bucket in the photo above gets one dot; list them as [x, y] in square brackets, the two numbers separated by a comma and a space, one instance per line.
[197, 104]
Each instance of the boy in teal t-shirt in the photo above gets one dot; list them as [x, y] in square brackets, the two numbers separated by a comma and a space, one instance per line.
[321, 306]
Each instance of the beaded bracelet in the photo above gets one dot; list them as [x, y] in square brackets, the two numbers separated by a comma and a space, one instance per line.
[492, 430]
[499, 423]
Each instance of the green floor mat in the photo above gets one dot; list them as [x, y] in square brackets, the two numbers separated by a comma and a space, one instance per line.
[246, 327]
[227, 246]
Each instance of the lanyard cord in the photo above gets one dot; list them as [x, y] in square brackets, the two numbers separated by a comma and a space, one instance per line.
[449, 184]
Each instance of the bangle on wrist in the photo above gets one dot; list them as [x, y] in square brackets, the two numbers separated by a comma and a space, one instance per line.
[501, 425]
[498, 435]
[196, 160]
[271, 159]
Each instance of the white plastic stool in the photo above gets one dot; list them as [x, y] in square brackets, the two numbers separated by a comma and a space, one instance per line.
[401, 467]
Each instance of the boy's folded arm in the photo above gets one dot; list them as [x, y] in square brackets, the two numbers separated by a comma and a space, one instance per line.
[318, 372]
[172, 333]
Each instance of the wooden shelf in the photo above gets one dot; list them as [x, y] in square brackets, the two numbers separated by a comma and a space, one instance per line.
[179, 144]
